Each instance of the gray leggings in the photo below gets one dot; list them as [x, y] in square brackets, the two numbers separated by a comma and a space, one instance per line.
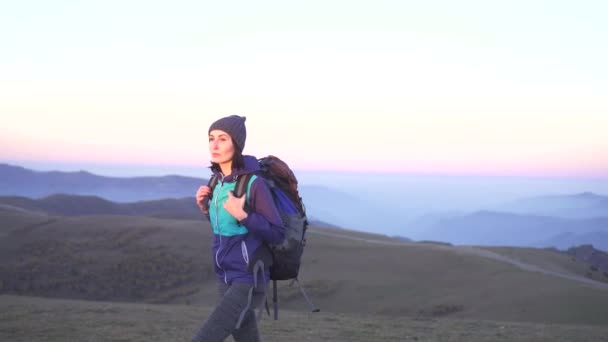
[234, 307]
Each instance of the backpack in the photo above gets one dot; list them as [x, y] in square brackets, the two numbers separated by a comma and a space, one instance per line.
[287, 256]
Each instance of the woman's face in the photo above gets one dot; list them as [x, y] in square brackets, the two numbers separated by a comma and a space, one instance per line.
[220, 146]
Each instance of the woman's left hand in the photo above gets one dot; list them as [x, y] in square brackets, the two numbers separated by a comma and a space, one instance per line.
[234, 206]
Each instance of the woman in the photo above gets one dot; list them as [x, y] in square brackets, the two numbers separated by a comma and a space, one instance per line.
[240, 257]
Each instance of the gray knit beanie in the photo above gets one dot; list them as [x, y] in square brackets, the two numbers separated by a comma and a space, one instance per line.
[234, 125]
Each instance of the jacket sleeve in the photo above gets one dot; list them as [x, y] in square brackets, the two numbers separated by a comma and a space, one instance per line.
[263, 218]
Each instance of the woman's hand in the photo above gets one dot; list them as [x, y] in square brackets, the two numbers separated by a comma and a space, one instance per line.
[201, 195]
[234, 206]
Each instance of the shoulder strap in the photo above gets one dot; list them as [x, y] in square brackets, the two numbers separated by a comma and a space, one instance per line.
[241, 184]
[212, 183]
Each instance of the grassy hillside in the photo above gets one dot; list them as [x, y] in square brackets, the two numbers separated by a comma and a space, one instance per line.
[551, 260]
[149, 260]
[429, 280]
[52, 320]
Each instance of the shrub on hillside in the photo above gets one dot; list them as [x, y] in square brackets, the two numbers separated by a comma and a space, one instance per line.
[442, 310]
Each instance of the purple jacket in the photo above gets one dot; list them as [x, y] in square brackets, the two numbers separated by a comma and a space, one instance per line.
[235, 243]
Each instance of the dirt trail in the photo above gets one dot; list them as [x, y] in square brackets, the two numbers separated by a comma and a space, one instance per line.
[530, 267]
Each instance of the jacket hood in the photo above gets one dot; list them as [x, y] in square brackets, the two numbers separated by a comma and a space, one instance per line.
[251, 165]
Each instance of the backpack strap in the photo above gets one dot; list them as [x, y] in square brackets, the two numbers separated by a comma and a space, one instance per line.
[275, 299]
[241, 187]
[267, 308]
[241, 184]
[258, 268]
[212, 183]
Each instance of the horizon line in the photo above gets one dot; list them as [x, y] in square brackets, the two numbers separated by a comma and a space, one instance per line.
[90, 168]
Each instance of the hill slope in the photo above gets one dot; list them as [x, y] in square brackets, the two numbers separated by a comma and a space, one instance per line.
[127, 258]
[78, 205]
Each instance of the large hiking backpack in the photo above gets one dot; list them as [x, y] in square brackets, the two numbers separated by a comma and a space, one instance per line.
[287, 256]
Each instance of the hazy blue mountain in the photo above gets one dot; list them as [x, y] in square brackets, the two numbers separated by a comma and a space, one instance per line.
[18, 181]
[508, 229]
[582, 205]
[415, 207]
[175, 192]
[543, 221]
[420, 226]
[344, 209]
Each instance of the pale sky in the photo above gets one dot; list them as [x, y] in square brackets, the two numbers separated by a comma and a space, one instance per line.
[473, 87]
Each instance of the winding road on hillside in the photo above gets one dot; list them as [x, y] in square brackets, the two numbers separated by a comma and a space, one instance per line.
[474, 251]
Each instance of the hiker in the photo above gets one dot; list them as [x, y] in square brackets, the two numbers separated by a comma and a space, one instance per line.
[241, 227]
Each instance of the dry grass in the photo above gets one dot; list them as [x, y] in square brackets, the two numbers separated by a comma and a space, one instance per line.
[37, 319]
[147, 260]
[551, 260]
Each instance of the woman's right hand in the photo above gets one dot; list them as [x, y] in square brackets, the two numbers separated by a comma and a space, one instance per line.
[202, 194]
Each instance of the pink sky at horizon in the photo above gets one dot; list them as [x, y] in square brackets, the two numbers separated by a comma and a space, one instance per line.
[361, 147]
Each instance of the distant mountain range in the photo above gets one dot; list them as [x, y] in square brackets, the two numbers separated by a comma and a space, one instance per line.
[583, 205]
[18, 181]
[508, 229]
[544, 221]
[174, 193]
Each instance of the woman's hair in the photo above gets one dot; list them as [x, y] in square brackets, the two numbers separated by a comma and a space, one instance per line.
[238, 162]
